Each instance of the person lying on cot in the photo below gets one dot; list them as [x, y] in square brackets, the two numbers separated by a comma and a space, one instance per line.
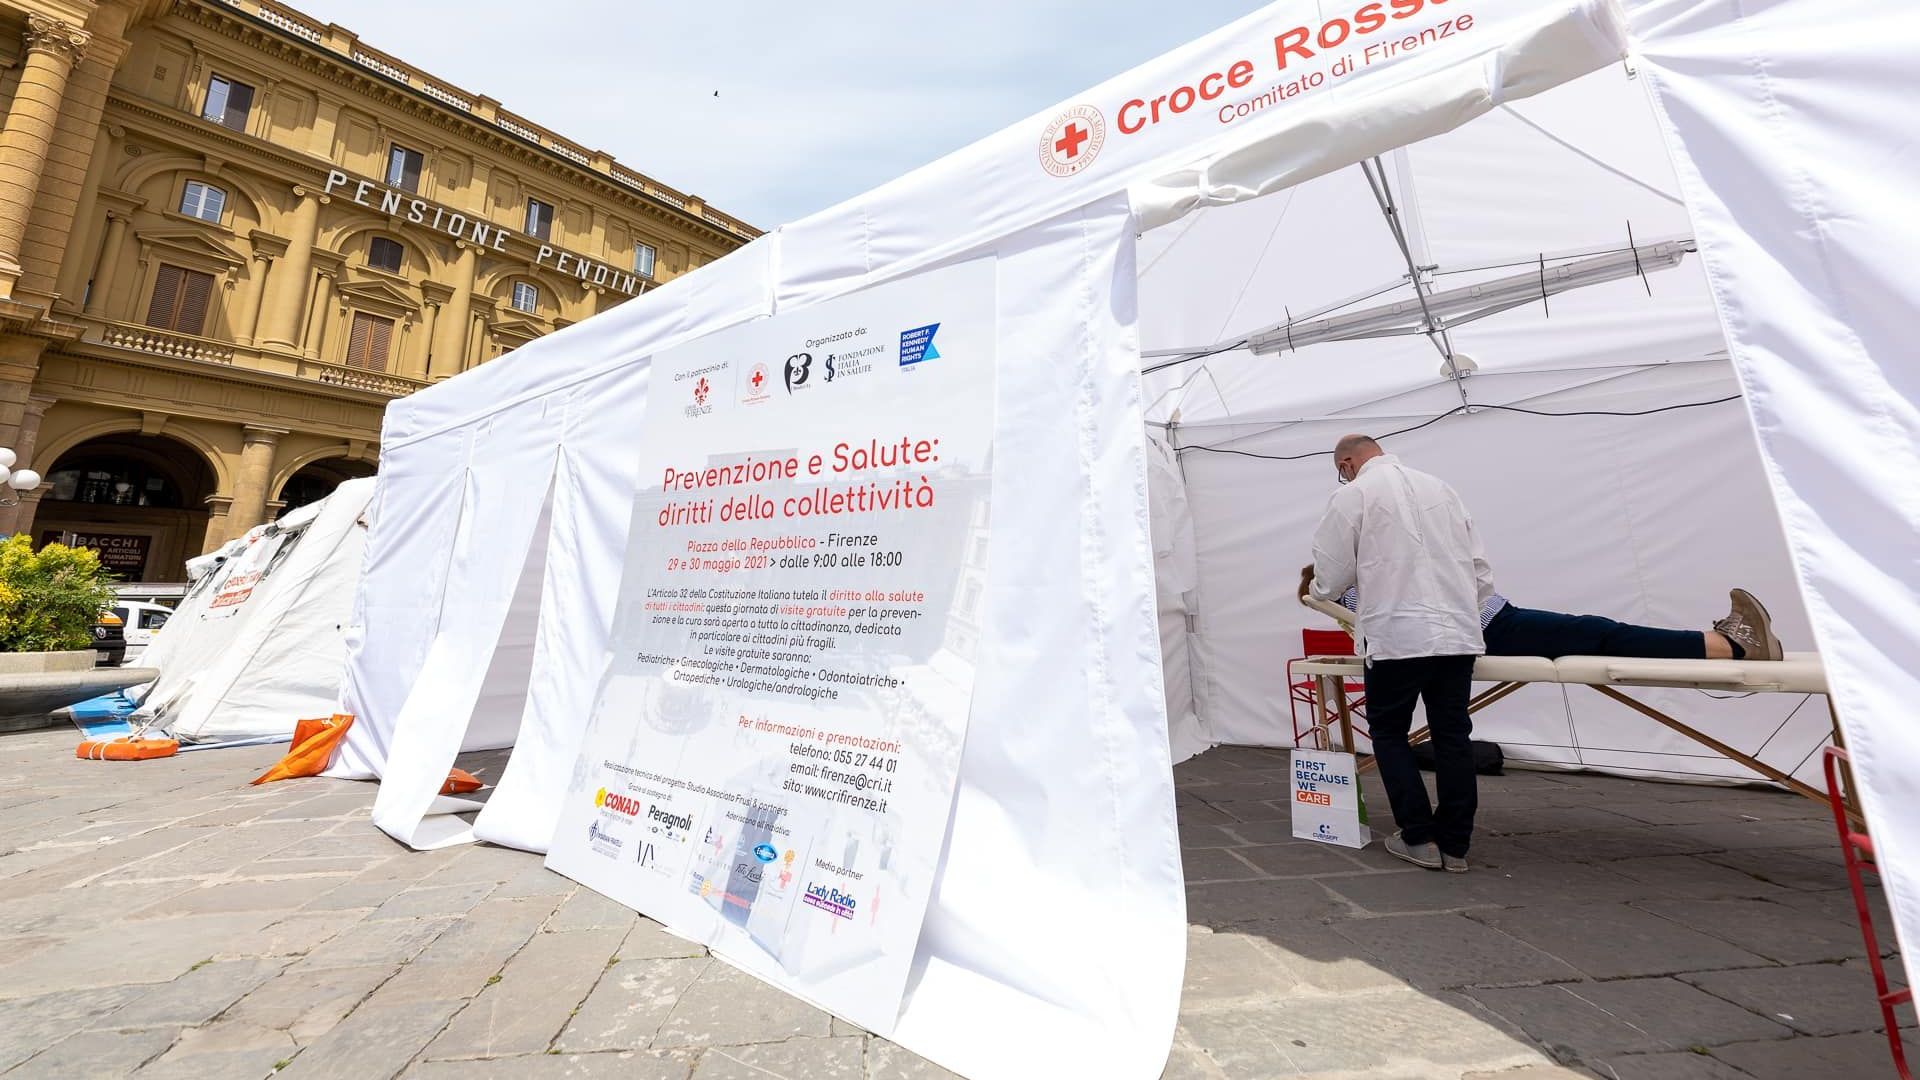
[1746, 633]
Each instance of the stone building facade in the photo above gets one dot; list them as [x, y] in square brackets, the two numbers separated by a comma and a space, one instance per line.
[229, 235]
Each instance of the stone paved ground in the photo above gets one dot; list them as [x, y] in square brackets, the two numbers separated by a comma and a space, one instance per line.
[164, 920]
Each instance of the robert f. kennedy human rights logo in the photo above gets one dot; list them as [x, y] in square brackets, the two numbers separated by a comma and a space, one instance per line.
[1073, 140]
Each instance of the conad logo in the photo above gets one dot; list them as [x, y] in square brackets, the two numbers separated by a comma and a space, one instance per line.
[624, 805]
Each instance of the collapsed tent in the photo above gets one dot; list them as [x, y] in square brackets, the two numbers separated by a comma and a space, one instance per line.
[1551, 279]
[260, 640]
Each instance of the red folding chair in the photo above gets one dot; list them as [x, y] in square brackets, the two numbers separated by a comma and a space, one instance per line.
[1857, 848]
[1305, 691]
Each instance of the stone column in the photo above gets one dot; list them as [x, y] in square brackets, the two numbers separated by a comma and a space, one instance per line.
[79, 263]
[431, 312]
[280, 323]
[109, 266]
[28, 509]
[451, 348]
[251, 480]
[20, 518]
[317, 322]
[53, 47]
[477, 343]
[219, 510]
[249, 317]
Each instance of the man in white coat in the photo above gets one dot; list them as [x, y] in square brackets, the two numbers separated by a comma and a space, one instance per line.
[1405, 540]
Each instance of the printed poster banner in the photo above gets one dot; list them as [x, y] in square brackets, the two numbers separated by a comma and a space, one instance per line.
[1327, 805]
[770, 764]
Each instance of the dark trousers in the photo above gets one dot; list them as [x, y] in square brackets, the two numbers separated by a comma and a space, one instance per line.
[1518, 631]
[1444, 683]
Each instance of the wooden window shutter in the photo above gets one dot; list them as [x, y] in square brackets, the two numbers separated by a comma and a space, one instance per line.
[166, 297]
[369, 342]
[194, 294]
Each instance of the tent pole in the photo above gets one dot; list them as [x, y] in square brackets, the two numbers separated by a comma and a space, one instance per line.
[1436, 333]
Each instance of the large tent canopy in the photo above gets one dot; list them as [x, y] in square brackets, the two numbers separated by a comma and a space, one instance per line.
[1610, 208]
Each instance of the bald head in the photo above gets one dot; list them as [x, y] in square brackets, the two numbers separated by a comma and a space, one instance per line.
[1353, 451]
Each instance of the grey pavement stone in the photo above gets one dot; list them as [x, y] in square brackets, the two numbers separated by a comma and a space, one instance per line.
[728, 1007]
[1260, 813]
[1609, 941]
[648, 940]
[1398, 1033]
[217, 851]
[490, 864]
[1554, 884]
[33, 1024]
[1444, 951]
[537, 993]
[1628, 1016]
[1225, 967]
[390, 940]
[891, 1061]
[1761, 835]
[305, 1002]
[1599, 845]
[490, 933]
[1783, 868]
[209, 899]
[1815, 999]
[1189, 1063]
[1215, 864]
[1779, 932]
[535, 880]
[296, 935]
[430, 898]
[298, 867]
[221, 1049]
[1672, 1066]
[164, 953]
[1412, 891]
[588, 910]
[794, 1059]
[1233, 903]
[73, 910]
[1691, 877]
[1839, 1056]
[96, 1054]
[357, 893]
[627, 1007]
[1299, 858]
[196, 997]
[628, 1066]
[377, 1040]
[1319, 961]
[1507, 821]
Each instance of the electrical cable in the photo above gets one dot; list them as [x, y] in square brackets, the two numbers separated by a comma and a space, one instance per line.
[1458, 410]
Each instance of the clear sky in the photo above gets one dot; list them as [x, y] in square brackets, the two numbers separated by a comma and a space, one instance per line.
[815, 104]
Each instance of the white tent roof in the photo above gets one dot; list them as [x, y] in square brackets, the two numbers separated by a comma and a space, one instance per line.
[1805, 266]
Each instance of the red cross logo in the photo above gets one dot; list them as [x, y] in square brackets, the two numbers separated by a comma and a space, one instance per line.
[1069, 141]
[1073, 140]
[759, 376]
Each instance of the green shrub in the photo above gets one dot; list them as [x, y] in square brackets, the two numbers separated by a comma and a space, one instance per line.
[50, 599]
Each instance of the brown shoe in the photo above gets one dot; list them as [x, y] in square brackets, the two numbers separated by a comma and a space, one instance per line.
[1749, 625]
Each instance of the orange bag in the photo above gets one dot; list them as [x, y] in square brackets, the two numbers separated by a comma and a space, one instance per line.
[313, 743]
[459, 782]
[126, 748]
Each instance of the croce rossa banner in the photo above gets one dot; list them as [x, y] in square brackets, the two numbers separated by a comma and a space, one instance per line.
[771, 760]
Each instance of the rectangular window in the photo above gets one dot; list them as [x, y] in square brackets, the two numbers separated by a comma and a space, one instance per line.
[385, 254]
[643, 256]
[180, 300]
[203, 201]
[403, 168]
[369, 341]
[525, 297]
[228, 103]
[539, 219]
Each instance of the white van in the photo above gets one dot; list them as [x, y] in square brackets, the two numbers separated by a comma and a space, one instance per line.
[143, 620]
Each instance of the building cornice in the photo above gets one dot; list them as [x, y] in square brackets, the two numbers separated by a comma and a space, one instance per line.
[231, 19]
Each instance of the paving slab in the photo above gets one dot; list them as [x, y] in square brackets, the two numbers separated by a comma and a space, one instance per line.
[1685, 1065]
[1838, 1056]
[307, 1002]
[34, 1024]
[1815, 999]
[727, 1007]
[224, 1048]
[629, 1066]
[1780, 932]
[1584, 1021]
[1612, 941]
[1393, 1032]
[794, 1059]
[203, 993]
[537, 993]
[1437, 952]
[96, 1054]
[629, 1004]
[378, 1039]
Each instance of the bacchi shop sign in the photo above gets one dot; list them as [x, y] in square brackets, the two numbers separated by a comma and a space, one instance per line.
[457, 223]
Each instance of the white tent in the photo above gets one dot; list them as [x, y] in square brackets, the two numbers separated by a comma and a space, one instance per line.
[1754, 150]
[260, 640]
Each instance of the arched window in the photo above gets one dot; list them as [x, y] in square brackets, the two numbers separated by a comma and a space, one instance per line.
[385, 254]
[203, 201]
[526, 297]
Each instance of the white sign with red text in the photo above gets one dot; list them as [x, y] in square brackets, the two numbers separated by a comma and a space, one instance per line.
[771, 760]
